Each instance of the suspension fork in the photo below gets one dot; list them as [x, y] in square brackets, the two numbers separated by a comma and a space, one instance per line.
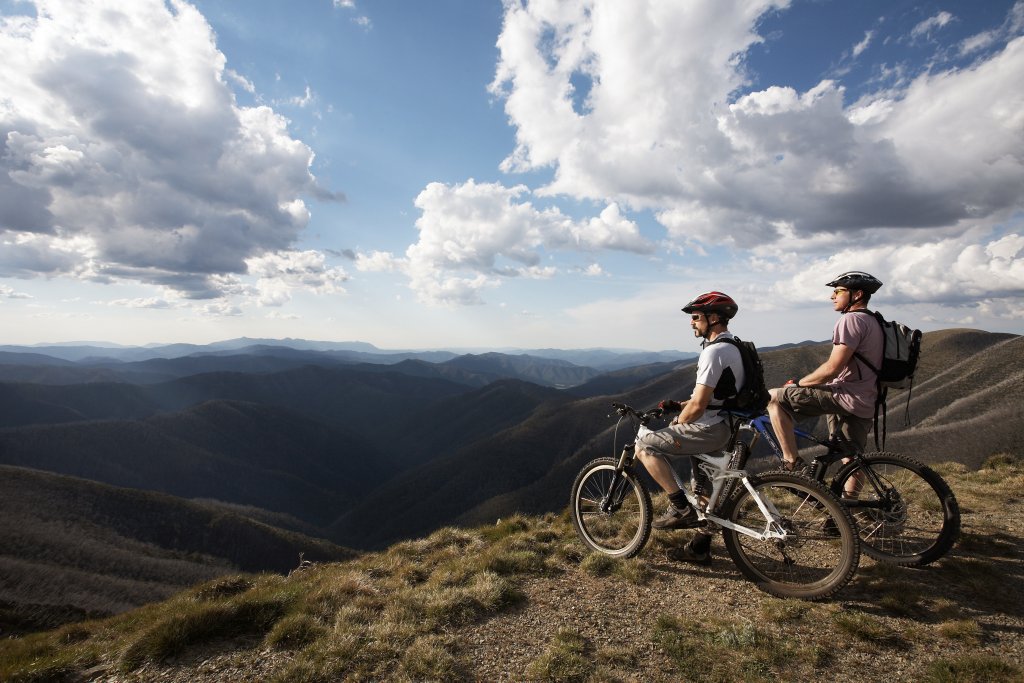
[610, 497]
[626, 457]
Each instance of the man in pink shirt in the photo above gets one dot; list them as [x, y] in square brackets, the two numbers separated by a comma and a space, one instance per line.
[843, 387]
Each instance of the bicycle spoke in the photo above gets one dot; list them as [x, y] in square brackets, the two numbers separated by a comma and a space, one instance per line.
[613, 521]
[905, 512]
[818, 554]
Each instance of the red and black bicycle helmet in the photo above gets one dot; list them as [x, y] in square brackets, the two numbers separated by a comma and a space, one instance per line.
[856, 279]
[713, 302]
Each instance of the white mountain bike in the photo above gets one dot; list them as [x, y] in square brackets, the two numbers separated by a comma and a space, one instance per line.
[788, 534]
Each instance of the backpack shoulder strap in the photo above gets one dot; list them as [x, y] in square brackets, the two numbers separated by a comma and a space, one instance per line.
[734, 340]
[880, 405]
[857, 354]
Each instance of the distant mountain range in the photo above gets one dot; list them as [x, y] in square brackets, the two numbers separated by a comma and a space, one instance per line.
[303, 351]
[296, 446]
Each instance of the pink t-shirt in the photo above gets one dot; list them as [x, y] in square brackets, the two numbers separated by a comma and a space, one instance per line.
[855, 386]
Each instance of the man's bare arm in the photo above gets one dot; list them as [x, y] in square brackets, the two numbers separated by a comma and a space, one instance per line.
[698, 403]
[837, 360]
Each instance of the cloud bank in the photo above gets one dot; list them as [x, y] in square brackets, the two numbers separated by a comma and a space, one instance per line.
[472, 235]
[660, 127]
[643, 105]
[121, 161]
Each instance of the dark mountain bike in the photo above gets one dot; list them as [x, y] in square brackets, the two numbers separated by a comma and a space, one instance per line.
[905, 512]
[788, 534]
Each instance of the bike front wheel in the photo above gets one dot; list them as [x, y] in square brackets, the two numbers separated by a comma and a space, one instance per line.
[905, 512]
[820, 552]
[611, 511]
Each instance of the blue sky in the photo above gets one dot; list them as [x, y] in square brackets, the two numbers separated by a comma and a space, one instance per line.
[467, 174]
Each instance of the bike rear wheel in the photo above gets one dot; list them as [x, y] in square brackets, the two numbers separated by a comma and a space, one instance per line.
[906, 515]
[614, 522]
[821, 551]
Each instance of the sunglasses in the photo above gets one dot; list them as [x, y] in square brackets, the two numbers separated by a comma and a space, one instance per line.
[839, 290]
[696, 316]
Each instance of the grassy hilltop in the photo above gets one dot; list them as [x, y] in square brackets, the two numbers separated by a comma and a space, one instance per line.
[520, 600]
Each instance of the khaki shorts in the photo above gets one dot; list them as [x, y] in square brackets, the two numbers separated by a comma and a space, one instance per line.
[813, 401]
[688, 438]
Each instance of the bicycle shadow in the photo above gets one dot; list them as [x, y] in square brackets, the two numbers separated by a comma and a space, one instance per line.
[983, 576]
[721, 566]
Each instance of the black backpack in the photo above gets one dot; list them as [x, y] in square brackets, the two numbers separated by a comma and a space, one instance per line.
[901, 350]
[753, 396]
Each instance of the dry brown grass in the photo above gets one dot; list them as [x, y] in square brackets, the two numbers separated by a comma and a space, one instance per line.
[520, 601]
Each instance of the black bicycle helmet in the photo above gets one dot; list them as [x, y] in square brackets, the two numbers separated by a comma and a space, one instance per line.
[856, 279]
[713, 302]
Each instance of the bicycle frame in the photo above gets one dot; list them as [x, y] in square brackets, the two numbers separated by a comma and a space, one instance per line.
[719, 470]
[774, 526]
[761, 427]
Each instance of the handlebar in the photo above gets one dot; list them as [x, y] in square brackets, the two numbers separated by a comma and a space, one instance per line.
[646, 416]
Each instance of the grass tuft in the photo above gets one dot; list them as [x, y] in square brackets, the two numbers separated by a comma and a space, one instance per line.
[431, 658]
[325, 662]
[295, 631]
[634, 571]
[450, 606]
[503, 528]
[866, 628]
[198, 622]
[784, 611]
[683, 644]
[1000, 461]
[720, 650]
[223, 588]
[564, 659]
[903, 599]
[972, 669]
[962, 630]
[982, 578]
[599, 564]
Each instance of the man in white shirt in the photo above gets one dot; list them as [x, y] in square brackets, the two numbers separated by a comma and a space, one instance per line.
[699, 428]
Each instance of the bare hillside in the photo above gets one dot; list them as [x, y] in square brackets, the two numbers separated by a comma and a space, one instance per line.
[966, 403]
[71, 548]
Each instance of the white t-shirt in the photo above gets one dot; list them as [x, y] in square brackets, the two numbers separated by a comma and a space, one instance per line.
[712, 365]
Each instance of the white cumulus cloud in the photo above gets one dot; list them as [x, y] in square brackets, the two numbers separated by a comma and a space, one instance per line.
[859, 48]
[280, 273]
[472, 235]
[141, 153]
[963, 270]
[646, 105]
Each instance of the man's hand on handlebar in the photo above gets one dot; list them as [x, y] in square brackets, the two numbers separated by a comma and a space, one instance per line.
[670, 406]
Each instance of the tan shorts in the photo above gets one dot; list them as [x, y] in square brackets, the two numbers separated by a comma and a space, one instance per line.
[687, 438]
[814, 401]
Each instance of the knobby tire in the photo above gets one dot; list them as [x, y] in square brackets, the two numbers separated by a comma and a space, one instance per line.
[912, 521]
[819, 556]
[621, 531]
